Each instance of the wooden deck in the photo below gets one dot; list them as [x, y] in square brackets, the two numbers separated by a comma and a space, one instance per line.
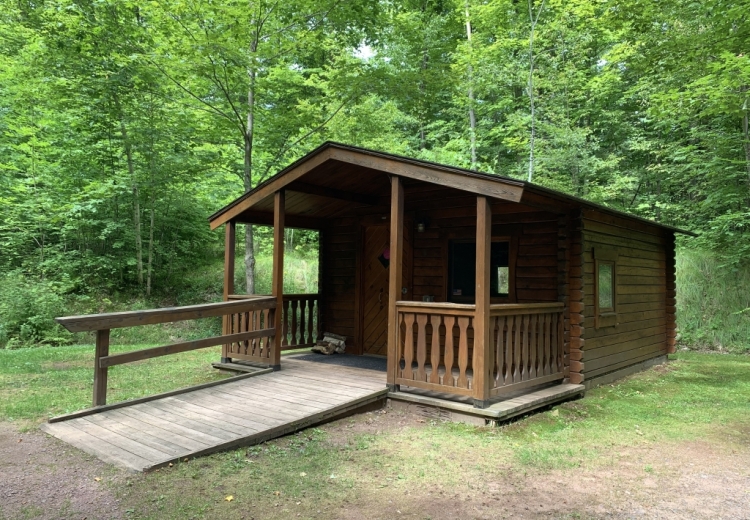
[147, 435]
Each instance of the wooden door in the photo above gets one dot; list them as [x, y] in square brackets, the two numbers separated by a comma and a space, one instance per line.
[375, 274]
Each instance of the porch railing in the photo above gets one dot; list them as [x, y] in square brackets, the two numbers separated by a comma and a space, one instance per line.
[436, 346]
[300, 321]
[527, 341]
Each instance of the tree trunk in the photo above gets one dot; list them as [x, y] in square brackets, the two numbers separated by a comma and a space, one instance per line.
[150, 251]
[248, 180]
[532, 101]
[472, 116]
[136, 201]
[746, 136]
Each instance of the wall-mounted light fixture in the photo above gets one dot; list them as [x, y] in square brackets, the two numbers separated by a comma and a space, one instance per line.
[422, 224]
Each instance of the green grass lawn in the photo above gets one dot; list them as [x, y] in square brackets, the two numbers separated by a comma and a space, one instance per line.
[379, 457]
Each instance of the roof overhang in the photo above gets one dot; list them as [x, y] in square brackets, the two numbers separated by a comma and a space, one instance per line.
[496, 187]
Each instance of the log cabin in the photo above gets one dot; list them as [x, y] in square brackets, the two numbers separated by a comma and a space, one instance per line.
[473, 286]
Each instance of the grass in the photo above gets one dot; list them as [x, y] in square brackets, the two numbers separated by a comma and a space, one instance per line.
[31, 379]
[371, 458]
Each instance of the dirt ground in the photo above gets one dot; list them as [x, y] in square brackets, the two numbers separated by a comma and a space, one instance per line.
[41, 477]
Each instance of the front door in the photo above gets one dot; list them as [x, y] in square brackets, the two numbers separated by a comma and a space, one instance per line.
[375, 274]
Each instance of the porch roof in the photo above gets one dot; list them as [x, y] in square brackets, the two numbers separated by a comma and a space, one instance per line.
[334, 176]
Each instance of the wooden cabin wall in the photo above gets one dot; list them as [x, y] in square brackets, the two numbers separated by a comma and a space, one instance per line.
[339, 245]
[449, 214]
[641, 294]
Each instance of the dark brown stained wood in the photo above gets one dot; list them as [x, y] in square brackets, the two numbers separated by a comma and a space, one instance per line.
[175, 348]
[375, 292]
[641, 288]
[113, 320]
[333, 193]
[100, 373]
[627, 243]
[483, 361]
[395, 274]
[500, 189]
[265, 218]
[618, 232]
[277, 282]
[229, 254]
[622, 222]
[269, 189]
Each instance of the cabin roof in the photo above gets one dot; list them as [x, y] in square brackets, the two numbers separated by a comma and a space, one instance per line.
[330, 152]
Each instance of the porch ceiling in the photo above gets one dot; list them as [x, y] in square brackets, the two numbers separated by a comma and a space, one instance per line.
[335, 178]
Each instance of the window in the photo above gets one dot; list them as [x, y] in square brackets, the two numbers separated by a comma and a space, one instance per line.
[462, 265]
[605, 280]
[605, 284]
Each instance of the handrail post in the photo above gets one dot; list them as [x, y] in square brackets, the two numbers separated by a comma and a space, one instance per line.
[395, 282]
[277, 289]
[229, 254]
[482, 362]
[100, 374]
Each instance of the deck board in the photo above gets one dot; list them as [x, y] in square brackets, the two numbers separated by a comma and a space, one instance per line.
[147, 435]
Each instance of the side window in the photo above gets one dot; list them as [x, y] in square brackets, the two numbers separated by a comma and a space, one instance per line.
[462, 261]
[605, 286]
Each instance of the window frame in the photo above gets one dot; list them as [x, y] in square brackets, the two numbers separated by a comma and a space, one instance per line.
[512, 249]
[607, 316]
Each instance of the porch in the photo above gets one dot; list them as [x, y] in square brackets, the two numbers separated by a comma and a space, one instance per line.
[462, 281]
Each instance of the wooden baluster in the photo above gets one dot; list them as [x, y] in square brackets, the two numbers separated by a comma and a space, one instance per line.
[463, 351]
[435, 320]
[524, 322]
[518, 325]
[268, 321]
[500, 351]
[254, 325]
[449, 321]
[408, 345]
[285, 324]
[244, 327]
[557, 341]
[421, 347]
[311, 336]
[527, 347]
[547, 344]
[533, 344]
[508, 374]
[302, 328]
[293, 313]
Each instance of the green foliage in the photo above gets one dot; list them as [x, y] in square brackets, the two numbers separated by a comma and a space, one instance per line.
[124, 125]
[27, 309]
[713, 303]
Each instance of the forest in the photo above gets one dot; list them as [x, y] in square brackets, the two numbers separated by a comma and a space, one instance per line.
[124, 124]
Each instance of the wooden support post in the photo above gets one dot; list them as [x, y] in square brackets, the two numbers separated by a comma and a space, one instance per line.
[277, 288]
[229, 255]
[100, 374]
[321, 286]
[395, 281]
[483, 360]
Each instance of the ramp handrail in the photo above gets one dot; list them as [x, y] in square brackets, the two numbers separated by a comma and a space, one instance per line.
[103, 323]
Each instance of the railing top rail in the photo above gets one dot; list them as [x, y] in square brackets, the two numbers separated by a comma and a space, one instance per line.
[551, 306]
[114, 320]
[286, 296]
[436, 305]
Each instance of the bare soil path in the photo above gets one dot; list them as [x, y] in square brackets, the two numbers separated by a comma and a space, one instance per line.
[41, 477]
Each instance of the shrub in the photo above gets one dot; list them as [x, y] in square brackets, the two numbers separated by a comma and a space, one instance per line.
[27, 311]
